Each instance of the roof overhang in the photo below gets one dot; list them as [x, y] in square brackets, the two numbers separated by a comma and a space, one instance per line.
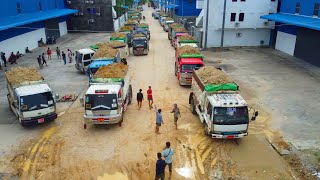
[27, 18]
[171, 6]
[296, 20]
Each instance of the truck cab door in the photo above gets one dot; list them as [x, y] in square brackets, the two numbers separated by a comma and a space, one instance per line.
[208, 115]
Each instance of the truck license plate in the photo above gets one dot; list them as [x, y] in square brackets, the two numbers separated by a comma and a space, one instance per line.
[230, 137]
[41, 120]
[140, 49]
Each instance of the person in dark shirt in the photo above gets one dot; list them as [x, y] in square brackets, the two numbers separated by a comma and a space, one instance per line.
[64, 58]
[139, 98]
[39, 61]
[160, 165]
[4, 59]
[44, 60]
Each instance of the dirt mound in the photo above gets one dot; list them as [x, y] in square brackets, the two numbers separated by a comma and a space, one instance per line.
[174, 25]
[168, 19]
[105, 51]
[162, 13]
[211, 75]
[112, 44]
[115, 70]
[186, 37]
[179, 29]
[143, 24]
[126, 28]
[187, 50]
[118, 35]
[131, 21]
[139, 35]
[20, 75]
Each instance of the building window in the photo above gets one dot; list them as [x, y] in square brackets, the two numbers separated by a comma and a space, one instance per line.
[273, 0]
[18, 8]
[40, 6]
[241, 16]
[298, 8]
[243, 0]
[89, 10]
[233, 17]
[316, 9]
[234, 0]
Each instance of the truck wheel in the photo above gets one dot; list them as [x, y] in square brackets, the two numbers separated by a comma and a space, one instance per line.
[84, 126]
[130, 94]
[192, 107]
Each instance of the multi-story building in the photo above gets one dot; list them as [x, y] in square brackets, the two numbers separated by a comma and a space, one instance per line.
[298, 29]
[24, 22]
[93, 15]
[225, 23]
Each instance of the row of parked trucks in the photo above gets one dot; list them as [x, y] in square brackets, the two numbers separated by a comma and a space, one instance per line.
[214, 96]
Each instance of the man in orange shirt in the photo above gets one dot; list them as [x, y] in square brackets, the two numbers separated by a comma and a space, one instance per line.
[150, 98]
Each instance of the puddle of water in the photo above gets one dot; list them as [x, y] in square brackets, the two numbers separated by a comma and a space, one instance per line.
[186, 172]
[116, 176]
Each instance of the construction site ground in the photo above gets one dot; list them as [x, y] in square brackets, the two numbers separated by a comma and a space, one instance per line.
[284, 90]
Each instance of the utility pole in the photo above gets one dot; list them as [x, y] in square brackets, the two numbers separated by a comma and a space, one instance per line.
[223, 22]
[207, 23]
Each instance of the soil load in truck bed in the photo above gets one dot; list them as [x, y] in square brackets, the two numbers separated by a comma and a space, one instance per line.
[168, 19]
[131, 21]
[179, 29]
[186, 37]
[105, 52]
[118, 35]
[187, 50]
[174, 25]
[143, 25]
[113, 44]
[211, 75]
[19, 75]
[126, 28]
[115, 70]
[139, 35]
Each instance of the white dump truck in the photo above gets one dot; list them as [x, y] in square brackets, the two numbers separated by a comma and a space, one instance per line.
[30, 97]
[107, 97]
[83, 59]
[220, 107]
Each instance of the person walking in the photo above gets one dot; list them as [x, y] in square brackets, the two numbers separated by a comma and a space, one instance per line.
[160, 166]
[64, 58]
[70, 55]
[44, 60]
[159, 120]
[176, 114]
[4, 59]
[58, 53]
[139, 98]
[167, 153]
[150, 98]
[39, 61]
[12, 59]
[49, 52]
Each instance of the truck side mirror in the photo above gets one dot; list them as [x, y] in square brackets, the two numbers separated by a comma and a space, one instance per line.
[81, 100]
[253, 118]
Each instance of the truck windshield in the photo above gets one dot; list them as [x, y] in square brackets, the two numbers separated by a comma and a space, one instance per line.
[139, 42]
[36, 101]
[188, 68]
[97, 102]
[230, 115]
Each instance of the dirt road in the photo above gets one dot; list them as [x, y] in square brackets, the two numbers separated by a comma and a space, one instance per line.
[66, 151]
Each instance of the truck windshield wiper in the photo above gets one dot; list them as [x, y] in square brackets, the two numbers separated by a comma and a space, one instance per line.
[101, 106]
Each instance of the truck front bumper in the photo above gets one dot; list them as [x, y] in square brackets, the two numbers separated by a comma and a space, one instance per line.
[39, 120]
[102, 119]
[230, 136]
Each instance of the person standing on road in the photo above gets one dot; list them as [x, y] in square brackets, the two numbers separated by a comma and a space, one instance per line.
[150, 98]
[49, 52]
[176, 114]
[4, 59]
[70, 56]
[58, 53]
[139, 98]
[39, 61]
[44, 60]
[159, 119]
[160, 166]
[64, 58]
[167, 153]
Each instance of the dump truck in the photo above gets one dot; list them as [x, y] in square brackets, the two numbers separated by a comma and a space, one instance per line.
[145, 26]
[171, 26]
[127, 30]
[186, 40]
[216, 100]
[156, 14]
[140, 44]
[115, 44]
[30, 97]
[83, 59]
[176, 32]
[108, 96]
[162, 17]
[132, 23]
[167, 22]
[188, 59]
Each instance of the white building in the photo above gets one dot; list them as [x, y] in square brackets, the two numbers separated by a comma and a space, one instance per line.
[242, 25]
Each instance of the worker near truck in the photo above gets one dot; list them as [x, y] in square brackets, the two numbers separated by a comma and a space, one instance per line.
[159, 119]
[43, 60]
[150, 98]
[39, 61]
[3, 57]
[176, 114]
[167, 153]
[139, 98]
[160, 166]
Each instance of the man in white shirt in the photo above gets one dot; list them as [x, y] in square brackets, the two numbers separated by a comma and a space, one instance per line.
[167, 153]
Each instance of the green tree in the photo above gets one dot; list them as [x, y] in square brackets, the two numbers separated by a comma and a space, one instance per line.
[119, 9]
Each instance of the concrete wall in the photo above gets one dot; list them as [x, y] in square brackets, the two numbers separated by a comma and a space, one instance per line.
[63, 28]
[19, 43]
[286, 42]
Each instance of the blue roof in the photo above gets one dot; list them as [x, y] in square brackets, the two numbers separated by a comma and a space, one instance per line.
[291, 19]
[171, 6]
[27, 18]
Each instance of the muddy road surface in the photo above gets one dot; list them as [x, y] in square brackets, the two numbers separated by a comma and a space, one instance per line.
[64, 150]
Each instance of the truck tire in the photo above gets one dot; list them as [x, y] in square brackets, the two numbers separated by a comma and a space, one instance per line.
[130, 94]
[192, 106]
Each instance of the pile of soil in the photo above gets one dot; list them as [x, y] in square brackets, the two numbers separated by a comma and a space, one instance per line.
[131, 21]
[139, 35]
[20, 75]
[137, 11]
[143, 24]
[105, 52]
[211, 75]
[179, 29]
[118, 35]
[162, 13]
[174, 25]
[186, 37]
[168, 19]
[187, 50]
[112, 44]
[114, 70]
[126, 28]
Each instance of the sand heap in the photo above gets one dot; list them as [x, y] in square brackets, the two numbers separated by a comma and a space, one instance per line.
[113, 44]
[126, 28]
[186, 37]
[179, 29]
[143, 24]
[118, 35]
[131, 21]
[168, 19]
[187, 50]
[114, 70]
[139, 35]
[162, 13]
[211, 75]
[174, 25]
[105, 52]
[18, 75]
